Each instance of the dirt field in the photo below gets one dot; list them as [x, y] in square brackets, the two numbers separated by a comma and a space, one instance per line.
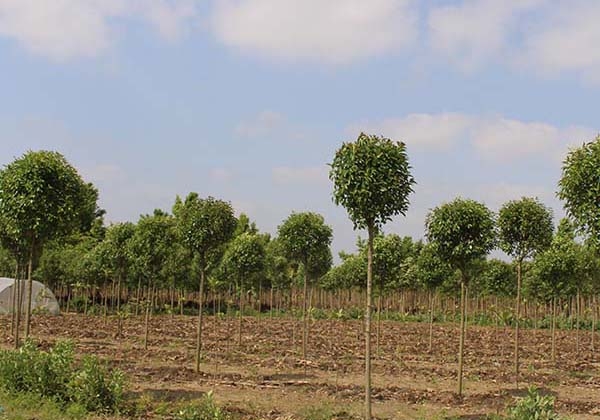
[266, 377]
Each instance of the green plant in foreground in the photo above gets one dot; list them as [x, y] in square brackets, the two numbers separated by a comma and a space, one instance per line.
[534, 407]
[206, 410]
[54, 375]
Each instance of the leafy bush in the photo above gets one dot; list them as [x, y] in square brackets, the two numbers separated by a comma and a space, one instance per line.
[96, 389]
[206, 410]
[534, 406]
[54, 374]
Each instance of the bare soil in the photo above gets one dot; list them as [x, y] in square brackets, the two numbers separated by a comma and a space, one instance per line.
[267, 378]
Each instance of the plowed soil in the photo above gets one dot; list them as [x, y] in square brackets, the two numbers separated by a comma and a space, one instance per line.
[266, 377]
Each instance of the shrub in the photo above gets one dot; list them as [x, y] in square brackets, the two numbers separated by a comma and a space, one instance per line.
[96, 389]
[206, 410]
[534, 406]
[54, 374]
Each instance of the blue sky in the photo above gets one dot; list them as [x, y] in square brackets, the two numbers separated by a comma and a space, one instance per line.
[247, 100]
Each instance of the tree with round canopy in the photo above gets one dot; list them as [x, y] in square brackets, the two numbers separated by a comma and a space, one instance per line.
[372, 181]
[524, 228]
[205, 226]
[463, 233]
[305, 238]
[43, 197]
[244, 258]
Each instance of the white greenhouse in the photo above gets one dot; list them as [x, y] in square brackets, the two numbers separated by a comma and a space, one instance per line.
[43, 300]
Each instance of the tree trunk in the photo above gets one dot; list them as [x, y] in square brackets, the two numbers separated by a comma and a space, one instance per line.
[461, 344]
[304, 311]
[553, 352]
[431, 301]
[29, 291]
[517, 319]
[594, 314]
[378, 322]
[241, 317]
[368, 324]
[19, 311]
[200, 303]
[577, 309]
[13, 298]
[149, 302]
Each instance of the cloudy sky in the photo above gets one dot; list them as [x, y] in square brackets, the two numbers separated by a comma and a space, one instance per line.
[247, 100]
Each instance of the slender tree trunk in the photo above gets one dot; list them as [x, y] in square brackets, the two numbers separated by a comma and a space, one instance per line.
[431, 301]
[594, 314]
[149, 303]
[241, 317]
[517, 320]
[138, 297]
[369, 309]
[271, 304]
[461, 344]
[378, 321]
[305, 310]
[553, 352]
[29, 290]
[200, 304]
[19, 311]
[577, 309]
[13, 298]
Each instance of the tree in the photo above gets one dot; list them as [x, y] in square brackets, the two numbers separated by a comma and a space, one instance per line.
[525, 228]
[372, 181]
[463, 233]
[205, 225]
[305, 238]
[556, 270]
[579, 188]
[151, 245]
[430, 271]
[42, 197]
[244, 257]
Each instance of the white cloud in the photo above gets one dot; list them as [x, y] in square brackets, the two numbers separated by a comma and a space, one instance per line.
[493, 138]
[63, 29]
[566, 40]
[308, 175]
[475, 30]
[265, 123]
[504, 139]
[421, 131]
[332, 31]
[220, 175]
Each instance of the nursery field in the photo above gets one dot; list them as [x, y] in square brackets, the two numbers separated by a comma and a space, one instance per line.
[266, 376]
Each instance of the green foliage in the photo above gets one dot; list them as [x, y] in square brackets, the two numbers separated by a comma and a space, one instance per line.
[305, 238]
[525, 228]
[497, 278]
[95, 388]
[151, 245]
[244, 256]
[372, 180]
[428, 269]
[390, 253]
[462, 231]
[43, 197]
[204, 224]
[207, 409]
[579, 187]
[556, 270]
[55, 375]
[533, 407]
[352, 272]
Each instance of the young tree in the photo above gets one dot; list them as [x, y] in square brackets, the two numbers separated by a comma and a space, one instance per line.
[525, 228]
[372, 180]
[430, 271]
[151, 245]
[205, 225]
[244, 257]
[463, 233]
[42, 197]
[556, 270]
[305, 238]
[579, 188]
